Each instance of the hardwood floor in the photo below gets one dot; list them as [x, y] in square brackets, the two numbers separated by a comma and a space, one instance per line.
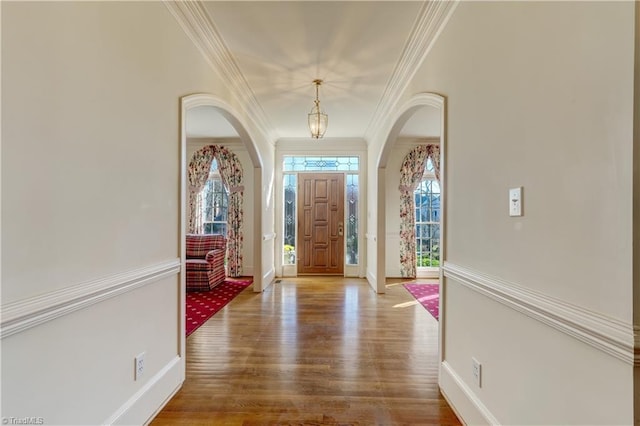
[313, 351]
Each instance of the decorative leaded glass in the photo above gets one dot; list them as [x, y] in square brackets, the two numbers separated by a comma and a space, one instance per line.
[320, 164]
[352, 219]
[289, 219]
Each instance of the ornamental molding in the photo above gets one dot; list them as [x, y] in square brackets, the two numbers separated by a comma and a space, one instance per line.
[609, 335]
[196, 22]
[431, 20]
[23, 314]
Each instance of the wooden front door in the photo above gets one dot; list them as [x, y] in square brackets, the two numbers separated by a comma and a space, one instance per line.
[320, 223]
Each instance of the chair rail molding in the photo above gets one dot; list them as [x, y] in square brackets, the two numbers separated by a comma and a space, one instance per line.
[23, 314]
[610, 335]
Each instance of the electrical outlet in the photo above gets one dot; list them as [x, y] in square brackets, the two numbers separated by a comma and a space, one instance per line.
[476, 369]
[515, 201]
[139, 367]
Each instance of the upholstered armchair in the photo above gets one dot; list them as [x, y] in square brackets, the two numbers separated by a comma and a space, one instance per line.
[205, 261]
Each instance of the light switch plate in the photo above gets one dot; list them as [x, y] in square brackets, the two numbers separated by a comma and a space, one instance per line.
[515, 201]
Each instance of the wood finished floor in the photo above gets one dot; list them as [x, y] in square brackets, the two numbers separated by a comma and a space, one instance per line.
[313, 351]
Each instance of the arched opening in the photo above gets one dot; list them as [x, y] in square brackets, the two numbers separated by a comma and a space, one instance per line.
[407, 123]
[435, 104]
[226, 118]
[409, 115]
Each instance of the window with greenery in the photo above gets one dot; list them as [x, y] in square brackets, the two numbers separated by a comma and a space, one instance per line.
[352, 219]
[215, 203]
[427, 197]
[289, 219]
[350, 166]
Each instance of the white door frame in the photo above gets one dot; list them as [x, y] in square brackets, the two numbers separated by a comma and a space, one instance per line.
[186, 103]
[417, 102]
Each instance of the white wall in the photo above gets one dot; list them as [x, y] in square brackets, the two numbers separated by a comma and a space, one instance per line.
[238, 148]
[91, 206]
[371, 215]
[267, 218]
[539, 95]
[557, 122]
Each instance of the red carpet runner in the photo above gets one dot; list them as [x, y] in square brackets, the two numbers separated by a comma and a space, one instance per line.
[427, 295]
[202, 305]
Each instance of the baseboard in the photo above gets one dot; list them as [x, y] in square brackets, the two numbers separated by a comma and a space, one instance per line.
[267, 279]
[468, 406]
[371, 279]
[144, 405]
[289, 270]
[393, 272]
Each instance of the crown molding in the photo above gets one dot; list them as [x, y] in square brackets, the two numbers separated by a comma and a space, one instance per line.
[196, 22]
[431, 20]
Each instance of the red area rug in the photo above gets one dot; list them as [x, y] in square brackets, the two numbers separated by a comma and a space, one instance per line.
[428, 296]
[201, 305]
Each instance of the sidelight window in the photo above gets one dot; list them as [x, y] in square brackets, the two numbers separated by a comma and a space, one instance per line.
[289, 219]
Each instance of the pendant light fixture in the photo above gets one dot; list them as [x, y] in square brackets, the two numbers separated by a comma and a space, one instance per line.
[318, 120]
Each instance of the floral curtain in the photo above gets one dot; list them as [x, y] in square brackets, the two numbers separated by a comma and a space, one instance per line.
[198, 173]
[433, 152]
[232, 178]
[411, 174]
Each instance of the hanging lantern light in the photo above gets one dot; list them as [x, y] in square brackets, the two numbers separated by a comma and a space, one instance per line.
[318, 120]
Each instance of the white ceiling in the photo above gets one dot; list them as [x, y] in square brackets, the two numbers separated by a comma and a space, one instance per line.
[280, 47]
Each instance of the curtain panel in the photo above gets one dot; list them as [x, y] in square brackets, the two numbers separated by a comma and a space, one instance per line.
[411, 174]
[433, 153]
[198, 173]
[232, 177]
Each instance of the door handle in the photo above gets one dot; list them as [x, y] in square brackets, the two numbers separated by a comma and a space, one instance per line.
[340, 228]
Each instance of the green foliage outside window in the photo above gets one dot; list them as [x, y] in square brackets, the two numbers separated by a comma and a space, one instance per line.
[289, 254]
[426, 261]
